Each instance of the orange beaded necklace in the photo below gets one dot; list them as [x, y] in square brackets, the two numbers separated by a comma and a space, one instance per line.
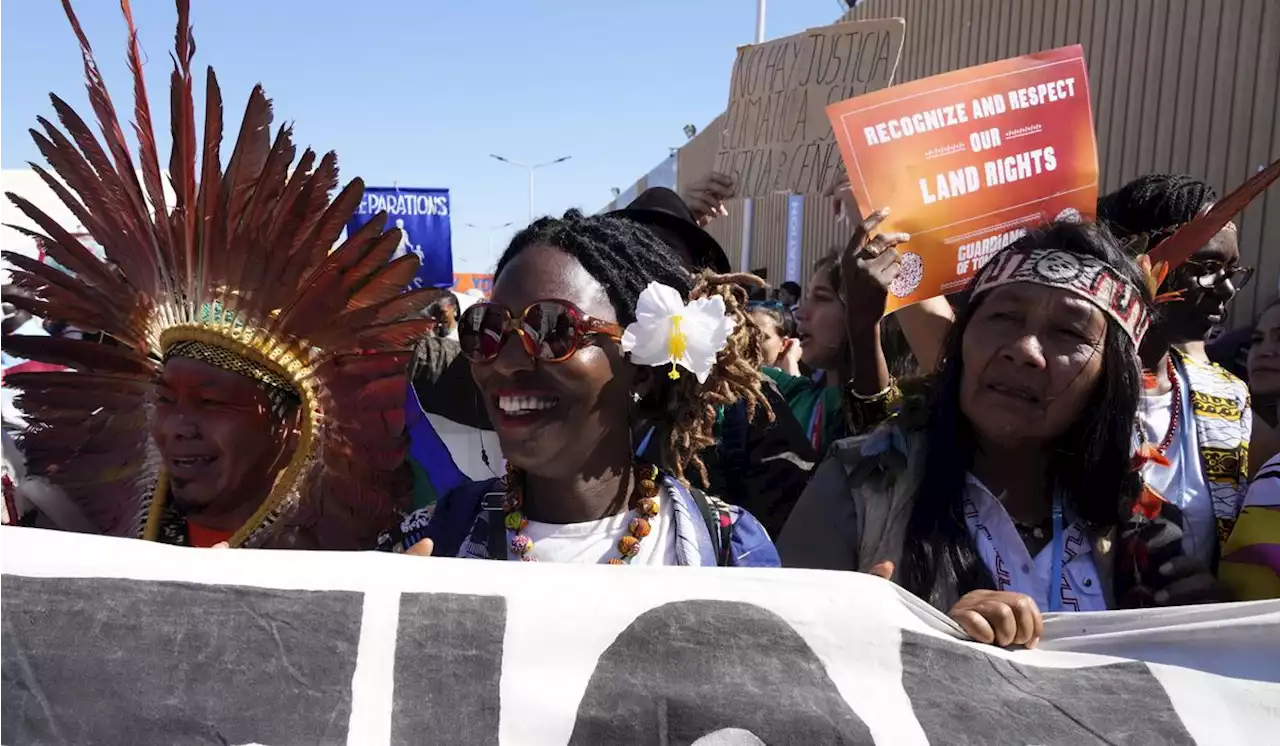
[645, 505]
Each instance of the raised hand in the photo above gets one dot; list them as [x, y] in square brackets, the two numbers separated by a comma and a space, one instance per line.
[868, 266]
[707, 195]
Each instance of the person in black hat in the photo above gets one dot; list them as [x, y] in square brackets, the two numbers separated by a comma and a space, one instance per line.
[758, 465]
[672, 220]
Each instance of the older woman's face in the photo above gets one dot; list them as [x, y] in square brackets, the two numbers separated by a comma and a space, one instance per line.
[1264, 355]
[1032, 356]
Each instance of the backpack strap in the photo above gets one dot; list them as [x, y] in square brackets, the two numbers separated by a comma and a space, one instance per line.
[491, 503]
[455, 514]
[719, 519]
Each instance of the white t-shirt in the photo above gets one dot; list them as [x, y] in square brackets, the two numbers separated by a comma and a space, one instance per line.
[596, 542]
[1182, 482]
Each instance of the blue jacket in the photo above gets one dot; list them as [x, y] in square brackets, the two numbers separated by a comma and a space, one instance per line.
[459, 526]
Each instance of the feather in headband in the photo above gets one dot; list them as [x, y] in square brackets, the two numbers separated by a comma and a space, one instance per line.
[1157, 255]
[254, 242]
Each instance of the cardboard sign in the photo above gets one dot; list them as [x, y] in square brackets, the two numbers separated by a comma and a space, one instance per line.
[968, 161]
[777, 137]
[118, 641]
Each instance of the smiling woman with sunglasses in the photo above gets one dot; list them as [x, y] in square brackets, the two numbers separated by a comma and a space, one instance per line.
[593, 329]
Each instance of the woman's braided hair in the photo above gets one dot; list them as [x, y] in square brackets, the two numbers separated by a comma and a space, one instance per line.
[624, 257]
[1154, 203]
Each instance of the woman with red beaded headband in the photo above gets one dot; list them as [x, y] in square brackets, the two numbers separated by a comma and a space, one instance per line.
[1005, 495]
[596, 340]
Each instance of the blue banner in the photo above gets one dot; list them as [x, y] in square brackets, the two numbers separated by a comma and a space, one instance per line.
[795, 214]
[422, 215]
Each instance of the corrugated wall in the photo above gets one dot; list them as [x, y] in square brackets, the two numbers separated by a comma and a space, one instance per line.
[1189, 86]
[1178, 85]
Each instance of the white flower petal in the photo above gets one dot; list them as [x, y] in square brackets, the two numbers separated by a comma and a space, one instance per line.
[706, 330]
[648, 344]
[658, 302]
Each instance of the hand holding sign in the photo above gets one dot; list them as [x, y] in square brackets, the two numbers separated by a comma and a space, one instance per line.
[707, 195]
[869, 266]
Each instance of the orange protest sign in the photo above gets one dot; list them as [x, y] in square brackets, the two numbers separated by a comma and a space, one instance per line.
[969, 160]
[464, 281]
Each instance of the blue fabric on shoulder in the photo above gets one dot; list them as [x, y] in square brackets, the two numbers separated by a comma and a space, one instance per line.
[428, 450]
[751, 544]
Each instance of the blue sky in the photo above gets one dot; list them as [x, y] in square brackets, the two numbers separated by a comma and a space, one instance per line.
[420, 93]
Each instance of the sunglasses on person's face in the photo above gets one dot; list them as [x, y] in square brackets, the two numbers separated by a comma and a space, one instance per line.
[1210, 273]
[549, 330]
[768, 305]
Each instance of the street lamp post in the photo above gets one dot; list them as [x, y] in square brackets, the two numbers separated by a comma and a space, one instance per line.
[530, 169]
[490, 229]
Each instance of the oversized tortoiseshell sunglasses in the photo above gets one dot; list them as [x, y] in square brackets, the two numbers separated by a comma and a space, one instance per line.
[550, 330]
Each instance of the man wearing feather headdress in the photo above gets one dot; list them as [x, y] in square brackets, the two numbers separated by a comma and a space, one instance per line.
[253, 388]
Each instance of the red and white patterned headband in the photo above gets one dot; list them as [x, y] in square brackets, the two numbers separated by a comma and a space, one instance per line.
[1090, 278]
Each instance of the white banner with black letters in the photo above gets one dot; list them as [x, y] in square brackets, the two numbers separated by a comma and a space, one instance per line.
[111, 641]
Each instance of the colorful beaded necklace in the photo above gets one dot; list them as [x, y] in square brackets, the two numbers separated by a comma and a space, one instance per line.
[1175, 413]
[645, 505]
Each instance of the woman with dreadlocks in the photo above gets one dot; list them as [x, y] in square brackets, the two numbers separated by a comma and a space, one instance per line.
[595, 340]
[1003, 496]
[1196, 412]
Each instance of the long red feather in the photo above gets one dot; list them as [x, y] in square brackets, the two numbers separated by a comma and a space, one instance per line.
[210, 232]
[100, 101]
[81, 355]
[143, 127]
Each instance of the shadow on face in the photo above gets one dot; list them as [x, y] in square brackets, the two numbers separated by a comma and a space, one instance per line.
[1032, 356]
[554, 419]
[221, 445]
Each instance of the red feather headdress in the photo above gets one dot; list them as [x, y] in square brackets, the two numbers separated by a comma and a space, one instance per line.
[241, 260]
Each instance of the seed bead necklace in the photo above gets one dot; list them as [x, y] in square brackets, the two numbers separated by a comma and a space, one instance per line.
[644, 504]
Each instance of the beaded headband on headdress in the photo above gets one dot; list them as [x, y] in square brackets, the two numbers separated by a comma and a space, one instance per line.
[280, 391]
[1088, 277]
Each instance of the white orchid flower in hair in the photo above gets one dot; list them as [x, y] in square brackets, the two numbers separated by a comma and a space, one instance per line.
[667, 331]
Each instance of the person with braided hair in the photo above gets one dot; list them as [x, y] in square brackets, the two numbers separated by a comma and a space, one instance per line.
[598, 345]
[1196, 413]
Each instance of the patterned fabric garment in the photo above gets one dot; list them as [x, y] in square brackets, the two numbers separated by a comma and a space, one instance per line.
[1012, 567]
[1224, 423]
[173, 528]
[1251, 557]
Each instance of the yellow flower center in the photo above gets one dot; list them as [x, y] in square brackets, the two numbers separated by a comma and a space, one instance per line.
[676, 345]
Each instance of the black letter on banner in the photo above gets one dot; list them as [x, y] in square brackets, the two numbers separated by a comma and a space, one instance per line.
[114, 661]
[962, 696]
[448, 666]
[687, 669]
